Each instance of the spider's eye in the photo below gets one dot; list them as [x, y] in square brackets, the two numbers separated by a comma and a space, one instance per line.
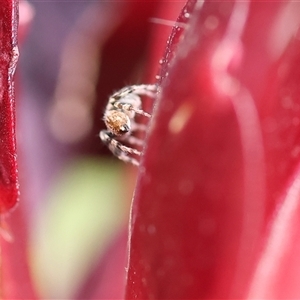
[124, 129]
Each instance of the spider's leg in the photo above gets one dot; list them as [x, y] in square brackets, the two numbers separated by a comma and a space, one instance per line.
[122, 152]
[149, 90]
[133, 140]
[117, 148]
[129, 159]
[138, 127]
[129, 107]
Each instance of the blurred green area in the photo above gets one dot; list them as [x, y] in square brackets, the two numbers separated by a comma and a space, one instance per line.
[82, 214]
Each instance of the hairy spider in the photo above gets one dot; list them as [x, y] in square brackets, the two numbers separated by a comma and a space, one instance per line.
[120, 120]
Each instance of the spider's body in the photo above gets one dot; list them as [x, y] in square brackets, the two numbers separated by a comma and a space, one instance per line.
[119, 117]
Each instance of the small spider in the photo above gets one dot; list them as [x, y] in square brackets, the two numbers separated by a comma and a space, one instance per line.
[120, 120]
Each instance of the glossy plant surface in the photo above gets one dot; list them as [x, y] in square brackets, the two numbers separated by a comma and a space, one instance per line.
[216, 209]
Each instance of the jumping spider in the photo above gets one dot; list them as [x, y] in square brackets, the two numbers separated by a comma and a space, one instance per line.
[120, 120]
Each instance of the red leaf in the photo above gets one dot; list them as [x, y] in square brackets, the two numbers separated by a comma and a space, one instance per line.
[222, 149]
[9, 189]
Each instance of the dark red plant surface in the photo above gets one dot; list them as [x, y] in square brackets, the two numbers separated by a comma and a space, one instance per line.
[8, 168]
[15, 280]
[216, 209]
